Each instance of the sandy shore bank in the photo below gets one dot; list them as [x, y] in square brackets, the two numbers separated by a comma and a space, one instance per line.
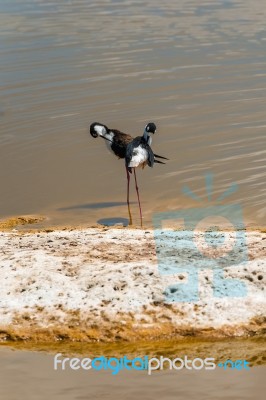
[104, 284]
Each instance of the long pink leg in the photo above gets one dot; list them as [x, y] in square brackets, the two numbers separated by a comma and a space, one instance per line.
[128, 205]
[137, 190]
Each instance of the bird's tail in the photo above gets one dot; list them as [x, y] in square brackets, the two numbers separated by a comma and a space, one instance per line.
[159, 162]
[163, 158]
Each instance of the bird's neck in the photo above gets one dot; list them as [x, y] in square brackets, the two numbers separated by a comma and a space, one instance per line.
[109, 138]
[147, 138]
[107, 135]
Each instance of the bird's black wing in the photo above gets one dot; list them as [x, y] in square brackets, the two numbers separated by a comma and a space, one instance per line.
[142, 140]
[120, 143]
[150, 155]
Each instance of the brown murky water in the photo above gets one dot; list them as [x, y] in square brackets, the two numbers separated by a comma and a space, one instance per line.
[30, 376]
[195, 68]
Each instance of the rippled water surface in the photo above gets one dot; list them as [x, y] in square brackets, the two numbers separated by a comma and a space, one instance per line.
[197, 69]
[31, 376]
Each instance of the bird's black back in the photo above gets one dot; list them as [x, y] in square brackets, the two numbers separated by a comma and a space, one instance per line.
[119, 143]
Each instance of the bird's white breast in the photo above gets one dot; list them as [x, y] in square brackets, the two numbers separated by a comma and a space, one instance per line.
[140, 155]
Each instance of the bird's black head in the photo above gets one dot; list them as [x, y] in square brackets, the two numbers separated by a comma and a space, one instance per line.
[97, 129]
[150, 128]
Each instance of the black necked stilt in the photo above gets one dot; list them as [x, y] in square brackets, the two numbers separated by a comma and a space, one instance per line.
[136, 151]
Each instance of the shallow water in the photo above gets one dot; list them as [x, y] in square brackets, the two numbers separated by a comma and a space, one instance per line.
[28, 375]
[195, 68]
